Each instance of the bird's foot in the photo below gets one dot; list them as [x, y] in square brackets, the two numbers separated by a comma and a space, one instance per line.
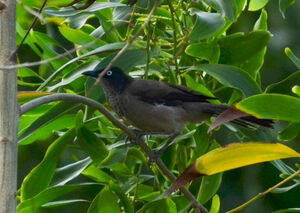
[139, 134]
[154, 156]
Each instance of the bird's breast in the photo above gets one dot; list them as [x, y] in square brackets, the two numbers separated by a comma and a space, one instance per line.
[115, 101]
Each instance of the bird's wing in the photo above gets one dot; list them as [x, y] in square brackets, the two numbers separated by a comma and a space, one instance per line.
[164, 93]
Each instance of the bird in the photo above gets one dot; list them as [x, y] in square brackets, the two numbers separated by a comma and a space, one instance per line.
[160, 108]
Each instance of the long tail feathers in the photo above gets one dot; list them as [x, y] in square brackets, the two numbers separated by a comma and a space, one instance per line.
[226, 114]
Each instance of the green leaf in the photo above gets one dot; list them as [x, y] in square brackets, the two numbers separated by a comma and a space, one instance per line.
[78, 36]
[239, 47]
[106, 201]
[231, 76]
[53, 118]
[99, 50]
[49, 195]
[289, 210]
[209, 186]
[261, 23]
[156, 206]
[191, 83]
[128, 207]
[257, 4]
[69, 172]
[290, 132]
[207, 24]
[293, 58]
[74, 75]
[285, 86]
[127, 61]
[40, 177]
[225, 7]
[284, 4]
[69, 11]
[215, 205]
[272, 106]
[207, 51]
[97, 174]
[90, 143]
[296, 90]
[61, 123]
[63, 203]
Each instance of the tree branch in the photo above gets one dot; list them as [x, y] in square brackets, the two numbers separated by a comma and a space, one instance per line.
[87, 101]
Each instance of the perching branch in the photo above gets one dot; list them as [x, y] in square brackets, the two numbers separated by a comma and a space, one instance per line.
[87, 101]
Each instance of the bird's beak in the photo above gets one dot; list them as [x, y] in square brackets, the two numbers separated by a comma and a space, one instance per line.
[91, 73]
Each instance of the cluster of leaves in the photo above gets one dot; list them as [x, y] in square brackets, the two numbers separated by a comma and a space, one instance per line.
[184, 43]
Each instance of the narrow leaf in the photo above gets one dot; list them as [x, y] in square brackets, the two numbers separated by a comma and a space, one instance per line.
[230, 157]
[292, 56]
[25, 96]
[91, 144]
[231, 76]
[40, 177]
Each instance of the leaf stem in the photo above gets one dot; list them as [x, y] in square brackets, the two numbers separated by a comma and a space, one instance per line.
[241, 207]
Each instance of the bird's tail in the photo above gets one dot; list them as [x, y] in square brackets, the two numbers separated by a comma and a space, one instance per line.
[229, 114]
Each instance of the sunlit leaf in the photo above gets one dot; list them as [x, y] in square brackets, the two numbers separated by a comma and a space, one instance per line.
[215, 205]
[67, 173]
[233, 156]
[25, 96]
[257, 4]
[272, 106]
[291, 56]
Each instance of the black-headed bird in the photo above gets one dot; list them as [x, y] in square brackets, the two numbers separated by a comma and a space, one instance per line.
[155, 107]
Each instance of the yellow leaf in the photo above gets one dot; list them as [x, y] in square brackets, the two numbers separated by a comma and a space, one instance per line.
[241, 154]
[25, 96]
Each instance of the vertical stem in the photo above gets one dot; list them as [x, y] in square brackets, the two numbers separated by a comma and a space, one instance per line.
[174, 36]
[8, 109]
[148, 50]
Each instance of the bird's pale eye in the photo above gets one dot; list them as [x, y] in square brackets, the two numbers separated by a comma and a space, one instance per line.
[109, 73]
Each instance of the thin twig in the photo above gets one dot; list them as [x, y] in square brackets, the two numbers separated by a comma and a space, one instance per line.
[241, 207]
[90, 102]
[68, 52]
[14, 54]
[174, 36]
[123, 50]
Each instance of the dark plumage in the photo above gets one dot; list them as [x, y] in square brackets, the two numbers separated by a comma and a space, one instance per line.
[154, 106]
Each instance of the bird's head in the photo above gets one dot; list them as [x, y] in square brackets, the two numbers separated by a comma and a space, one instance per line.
[114, 78]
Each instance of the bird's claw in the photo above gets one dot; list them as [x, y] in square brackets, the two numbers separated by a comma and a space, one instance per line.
[154, 156]
[133, 142]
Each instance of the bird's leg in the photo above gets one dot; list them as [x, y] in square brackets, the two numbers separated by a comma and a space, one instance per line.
[140, 134]
[155, 154]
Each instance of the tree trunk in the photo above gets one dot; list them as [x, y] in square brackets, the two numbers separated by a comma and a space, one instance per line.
[8, 109]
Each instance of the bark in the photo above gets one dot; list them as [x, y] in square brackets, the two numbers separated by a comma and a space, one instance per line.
[8, 109]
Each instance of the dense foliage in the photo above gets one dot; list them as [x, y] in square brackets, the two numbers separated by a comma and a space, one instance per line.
[73, 159]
